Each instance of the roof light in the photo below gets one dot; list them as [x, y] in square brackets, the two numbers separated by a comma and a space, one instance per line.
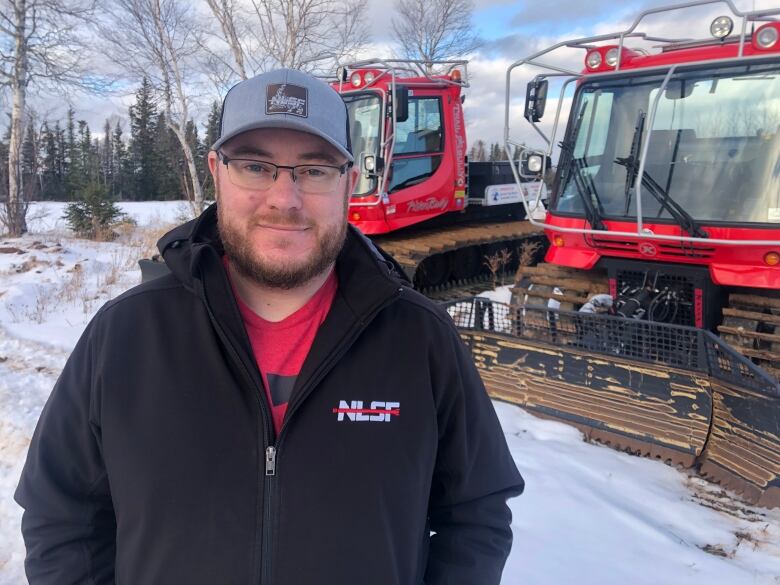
[455, 75]
[368, 77]
[611, 57]
[772, 258]
[593, 59]
[355, 79]
[721, 27]
[766, 37]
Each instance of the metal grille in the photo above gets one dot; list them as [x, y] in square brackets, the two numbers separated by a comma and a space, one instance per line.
[676, 346]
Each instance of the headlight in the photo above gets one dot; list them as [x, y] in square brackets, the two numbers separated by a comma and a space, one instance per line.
[355, 79]
[535, 163]
[593, 60]
[766, 37]
[368, 77]
[721, 27]
[611, 57]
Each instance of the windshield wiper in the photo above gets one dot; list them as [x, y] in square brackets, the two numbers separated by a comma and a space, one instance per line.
[410, 181]
[574, 168]
[683, 218]
[631, 162]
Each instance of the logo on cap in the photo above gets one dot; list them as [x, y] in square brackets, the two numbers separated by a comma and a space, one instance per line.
[286, 98]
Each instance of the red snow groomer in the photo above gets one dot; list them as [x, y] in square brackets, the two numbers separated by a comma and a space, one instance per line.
[418, 195]
[655, 322]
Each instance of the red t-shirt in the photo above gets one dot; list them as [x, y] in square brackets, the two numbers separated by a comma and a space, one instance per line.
[281, 347]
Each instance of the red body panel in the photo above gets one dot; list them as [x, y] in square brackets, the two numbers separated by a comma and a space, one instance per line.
[728, 265]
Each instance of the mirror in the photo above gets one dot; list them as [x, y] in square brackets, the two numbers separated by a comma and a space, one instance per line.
[680, 89]
[535, 99]
[401, 103]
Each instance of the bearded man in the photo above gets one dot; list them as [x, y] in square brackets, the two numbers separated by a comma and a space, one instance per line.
[282, 408]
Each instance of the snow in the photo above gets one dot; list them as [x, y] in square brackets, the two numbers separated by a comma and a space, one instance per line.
[589, 515]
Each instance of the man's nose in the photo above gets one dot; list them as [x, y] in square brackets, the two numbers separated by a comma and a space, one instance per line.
[285, 192]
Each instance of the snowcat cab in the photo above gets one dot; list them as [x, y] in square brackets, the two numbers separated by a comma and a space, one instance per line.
[418, 195]
[664, 231]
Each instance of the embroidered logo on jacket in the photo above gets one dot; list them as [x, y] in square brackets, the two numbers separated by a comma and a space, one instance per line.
[286, 99]
[378, 412]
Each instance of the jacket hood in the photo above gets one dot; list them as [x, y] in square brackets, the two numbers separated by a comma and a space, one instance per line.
[184, 246]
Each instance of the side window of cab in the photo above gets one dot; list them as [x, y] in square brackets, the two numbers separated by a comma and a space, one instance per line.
[419, 143]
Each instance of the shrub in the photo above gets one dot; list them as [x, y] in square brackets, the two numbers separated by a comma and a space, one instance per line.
[94, 215]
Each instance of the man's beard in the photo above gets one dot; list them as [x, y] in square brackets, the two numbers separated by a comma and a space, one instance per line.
[289, 274]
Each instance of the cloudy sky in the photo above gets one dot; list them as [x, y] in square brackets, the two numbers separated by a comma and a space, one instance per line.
[511, 31]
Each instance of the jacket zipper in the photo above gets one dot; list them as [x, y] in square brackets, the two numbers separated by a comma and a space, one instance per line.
[266, 442]
[270, 471]
[272, 448]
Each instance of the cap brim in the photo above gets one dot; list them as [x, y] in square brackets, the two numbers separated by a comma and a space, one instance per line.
[288, 124]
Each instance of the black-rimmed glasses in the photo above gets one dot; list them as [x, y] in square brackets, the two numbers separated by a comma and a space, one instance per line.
[260, 175]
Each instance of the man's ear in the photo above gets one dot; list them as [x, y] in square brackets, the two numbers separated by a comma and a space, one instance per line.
[213, 161]
[353, 175]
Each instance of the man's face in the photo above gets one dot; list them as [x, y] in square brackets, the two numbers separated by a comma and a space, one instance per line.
[281, 237]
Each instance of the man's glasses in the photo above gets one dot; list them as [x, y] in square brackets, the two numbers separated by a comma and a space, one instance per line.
[260, 175]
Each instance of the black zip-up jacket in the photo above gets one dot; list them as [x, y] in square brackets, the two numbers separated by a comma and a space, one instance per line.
[155, 463]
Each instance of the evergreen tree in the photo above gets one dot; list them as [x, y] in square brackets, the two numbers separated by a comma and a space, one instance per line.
[30, 162]
[497, 152]
[199, 151]
[212, 124]
[73, 170]
[120, 169]
[169, 163]
[212, 134]
[143, 118]
[106, 155]
[86, 156]
[52, 187]
[93, 214]
[61, 167]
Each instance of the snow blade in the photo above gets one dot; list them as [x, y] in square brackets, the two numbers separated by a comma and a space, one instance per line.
[676, 393]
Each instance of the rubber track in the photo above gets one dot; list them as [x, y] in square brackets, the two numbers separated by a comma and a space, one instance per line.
[410, 250]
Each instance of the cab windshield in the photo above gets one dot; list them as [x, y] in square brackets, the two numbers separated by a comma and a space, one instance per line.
[714, 148]
[365, 115]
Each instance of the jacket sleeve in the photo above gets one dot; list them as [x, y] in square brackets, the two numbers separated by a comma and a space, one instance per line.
[68, 522]
[473, 478]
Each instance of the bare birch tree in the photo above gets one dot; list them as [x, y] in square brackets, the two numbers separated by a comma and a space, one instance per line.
[311, 35]
[434, 30]
[160, 40]
[231, 21]
[41, 46]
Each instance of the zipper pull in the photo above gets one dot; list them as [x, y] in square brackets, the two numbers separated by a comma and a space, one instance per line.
[270, 461]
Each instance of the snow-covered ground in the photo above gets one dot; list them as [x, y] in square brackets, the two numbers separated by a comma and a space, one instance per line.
[590, 515]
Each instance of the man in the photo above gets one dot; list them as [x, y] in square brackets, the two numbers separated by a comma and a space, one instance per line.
[281, 409]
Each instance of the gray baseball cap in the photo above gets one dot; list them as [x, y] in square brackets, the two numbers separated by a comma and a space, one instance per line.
[290, 99]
